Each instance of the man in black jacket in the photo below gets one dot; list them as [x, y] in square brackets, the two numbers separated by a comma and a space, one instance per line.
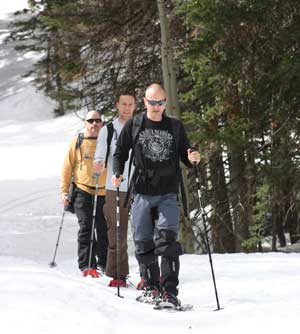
[156, 184]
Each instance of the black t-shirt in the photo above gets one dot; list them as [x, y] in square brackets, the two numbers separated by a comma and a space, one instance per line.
[156, 155]
[156, 159]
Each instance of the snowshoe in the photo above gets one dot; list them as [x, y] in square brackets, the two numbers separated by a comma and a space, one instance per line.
[168, 301]
[171, 303]
[90, 272]
[121, 283]
[149, 296]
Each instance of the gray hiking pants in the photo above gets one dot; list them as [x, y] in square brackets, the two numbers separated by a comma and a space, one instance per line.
[157, 239]
[168, 215]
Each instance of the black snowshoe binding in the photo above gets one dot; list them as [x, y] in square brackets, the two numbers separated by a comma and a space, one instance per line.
[149, 296]
[168, 301]
[151, 293]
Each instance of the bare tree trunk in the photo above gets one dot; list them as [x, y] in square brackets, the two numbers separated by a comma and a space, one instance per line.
[250, 198]
[60, 111]
[238, 188]
[169, 73]
[186, 235]
[292, 221]
[221, 223]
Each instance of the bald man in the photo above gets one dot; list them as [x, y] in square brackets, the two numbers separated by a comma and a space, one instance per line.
[78, 169]
[157, 152]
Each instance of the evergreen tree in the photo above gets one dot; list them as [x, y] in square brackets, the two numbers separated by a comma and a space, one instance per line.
[242, 60]
[92, 50]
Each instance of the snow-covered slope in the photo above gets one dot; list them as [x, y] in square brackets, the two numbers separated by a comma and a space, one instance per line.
[259, 292]
[19, 99]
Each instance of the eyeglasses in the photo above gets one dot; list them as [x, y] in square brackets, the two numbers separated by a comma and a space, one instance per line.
[94, 120]
[154, 102]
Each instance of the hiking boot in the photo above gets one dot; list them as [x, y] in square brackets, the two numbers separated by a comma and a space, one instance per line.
[149, 296]
[90, 272]
[121, 283]
[169, 300]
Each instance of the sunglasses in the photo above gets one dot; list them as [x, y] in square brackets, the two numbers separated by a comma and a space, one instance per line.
[93, 120]
[154, 102]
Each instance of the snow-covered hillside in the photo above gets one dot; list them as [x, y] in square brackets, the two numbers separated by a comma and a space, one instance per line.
[258, 292]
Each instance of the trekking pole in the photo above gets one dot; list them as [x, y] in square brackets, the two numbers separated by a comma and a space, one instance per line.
[96, 176]
[118, 240]
[201, 207]
[52, 264]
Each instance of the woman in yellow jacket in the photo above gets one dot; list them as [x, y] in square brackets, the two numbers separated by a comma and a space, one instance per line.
[78, 168]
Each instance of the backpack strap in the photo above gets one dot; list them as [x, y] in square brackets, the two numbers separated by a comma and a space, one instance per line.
[176, 135]
[79, 140]
[110, 132]
[137, 124]
[136, 128]
[175, 130]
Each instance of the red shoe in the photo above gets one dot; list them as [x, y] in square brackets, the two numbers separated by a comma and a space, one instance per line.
[91, 272]
[121, 282]
[141, 284]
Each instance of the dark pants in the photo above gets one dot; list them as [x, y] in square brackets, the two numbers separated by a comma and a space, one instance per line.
[156, 240]
[84, 204]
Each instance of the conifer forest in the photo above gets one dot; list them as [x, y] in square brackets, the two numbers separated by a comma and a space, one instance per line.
[231, 70]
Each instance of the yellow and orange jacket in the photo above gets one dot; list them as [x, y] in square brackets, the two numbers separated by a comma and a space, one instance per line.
[78, 168]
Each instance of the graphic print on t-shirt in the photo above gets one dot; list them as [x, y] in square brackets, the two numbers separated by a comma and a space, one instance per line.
[156, 144]
[88, 153]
